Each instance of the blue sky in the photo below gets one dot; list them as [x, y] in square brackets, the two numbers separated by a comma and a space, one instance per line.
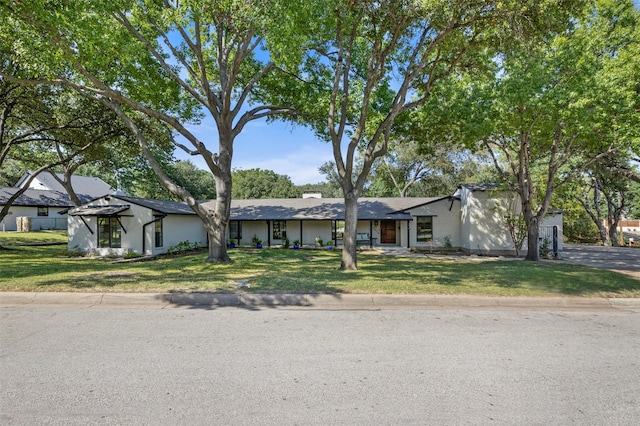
[286, 149]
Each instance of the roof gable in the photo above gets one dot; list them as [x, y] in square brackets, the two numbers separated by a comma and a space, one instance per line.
[86, 187]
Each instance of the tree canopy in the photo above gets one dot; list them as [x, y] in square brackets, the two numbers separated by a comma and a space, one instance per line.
[174, 62]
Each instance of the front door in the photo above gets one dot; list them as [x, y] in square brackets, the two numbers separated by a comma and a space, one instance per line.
[388, 232]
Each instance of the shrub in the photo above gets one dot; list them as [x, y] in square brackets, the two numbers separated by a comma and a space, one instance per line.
[183, 247]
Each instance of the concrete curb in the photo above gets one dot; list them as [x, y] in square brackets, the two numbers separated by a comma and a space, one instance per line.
[315, 301]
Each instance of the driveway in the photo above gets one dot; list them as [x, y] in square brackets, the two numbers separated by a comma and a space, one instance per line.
[620, 259]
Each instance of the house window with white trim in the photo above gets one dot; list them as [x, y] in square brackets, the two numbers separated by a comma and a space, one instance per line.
[43, 211]
[109, 232]
[159, 233]
[279, 229]
[424, 227]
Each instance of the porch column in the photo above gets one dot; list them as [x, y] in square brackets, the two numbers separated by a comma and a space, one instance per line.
[301, 240]
[371, 234]
[268, 234]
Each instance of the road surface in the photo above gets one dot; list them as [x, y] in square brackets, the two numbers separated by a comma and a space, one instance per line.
[127, 365]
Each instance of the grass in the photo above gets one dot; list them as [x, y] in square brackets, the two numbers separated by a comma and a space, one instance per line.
[44, 268]
[8, 239]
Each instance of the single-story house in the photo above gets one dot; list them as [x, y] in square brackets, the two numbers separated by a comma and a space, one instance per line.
[45, 208]
[46, 201]
[116, 224]
[467, 220]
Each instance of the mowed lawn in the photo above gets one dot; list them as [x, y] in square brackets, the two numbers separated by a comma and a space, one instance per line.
[46, 268]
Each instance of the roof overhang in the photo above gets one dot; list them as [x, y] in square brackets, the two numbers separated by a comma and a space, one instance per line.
[101, 211]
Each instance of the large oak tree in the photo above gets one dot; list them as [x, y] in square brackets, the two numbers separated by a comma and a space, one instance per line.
[552, 101]
[371, 61]
[176, 62]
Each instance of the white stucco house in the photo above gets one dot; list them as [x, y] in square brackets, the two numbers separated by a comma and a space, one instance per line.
[116, 224]
[46, 209]
[46, 201]
[467, 220]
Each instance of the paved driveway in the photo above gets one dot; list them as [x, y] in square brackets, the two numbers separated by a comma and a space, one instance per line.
[620, 259]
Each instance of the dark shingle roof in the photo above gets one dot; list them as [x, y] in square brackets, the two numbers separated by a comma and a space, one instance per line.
[321, 208]
[35, 198]
[480, 186]
[294, 208]
[86, 187]
[99, 211]
[162, 206]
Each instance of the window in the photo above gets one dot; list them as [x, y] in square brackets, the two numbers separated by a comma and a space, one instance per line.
[43, 211]
[279, 229]
[235, 230]
[337, 230]
[109, 232]
[159, 233]
[425, 228]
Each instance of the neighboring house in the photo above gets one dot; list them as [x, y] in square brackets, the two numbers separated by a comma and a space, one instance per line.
[467, 220]
[46, 200]
[86, 187]
[45, 208]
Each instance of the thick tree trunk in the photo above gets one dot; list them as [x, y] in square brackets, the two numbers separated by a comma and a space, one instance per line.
[218, 222]
[222, 211]
[533, 231]
[350, 248]
[603, 233]
[614, 237]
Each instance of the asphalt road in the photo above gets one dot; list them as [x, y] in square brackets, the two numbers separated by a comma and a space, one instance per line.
[620, 259]
[122, 365]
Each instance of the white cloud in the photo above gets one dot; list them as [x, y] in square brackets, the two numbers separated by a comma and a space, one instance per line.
[299, 163]
[285, 149]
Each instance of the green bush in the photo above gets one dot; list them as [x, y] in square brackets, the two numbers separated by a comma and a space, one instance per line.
[184, 247]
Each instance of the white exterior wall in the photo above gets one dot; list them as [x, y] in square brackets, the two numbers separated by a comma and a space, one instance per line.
[483, 227]
[550, 221]
[313, 229]
[446, 223]
[53, 221]
[80, 238]
[252, 229]
[176, 228]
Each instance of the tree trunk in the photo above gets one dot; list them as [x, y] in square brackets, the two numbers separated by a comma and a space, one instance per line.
[350, 248]
[220, 220]
[614, 222]
[533, 231]
[602, 232]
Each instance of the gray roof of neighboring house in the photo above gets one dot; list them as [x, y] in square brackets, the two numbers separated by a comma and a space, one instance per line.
[322, 208]
[86, 187]
[480, 186]
[35, 198]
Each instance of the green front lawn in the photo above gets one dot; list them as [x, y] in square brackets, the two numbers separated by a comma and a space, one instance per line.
[27, 238]
[32, 268]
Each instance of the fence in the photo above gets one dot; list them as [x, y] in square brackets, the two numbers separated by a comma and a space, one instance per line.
[553, 234]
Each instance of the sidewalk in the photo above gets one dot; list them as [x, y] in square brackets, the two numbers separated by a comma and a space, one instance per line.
[314, 301]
